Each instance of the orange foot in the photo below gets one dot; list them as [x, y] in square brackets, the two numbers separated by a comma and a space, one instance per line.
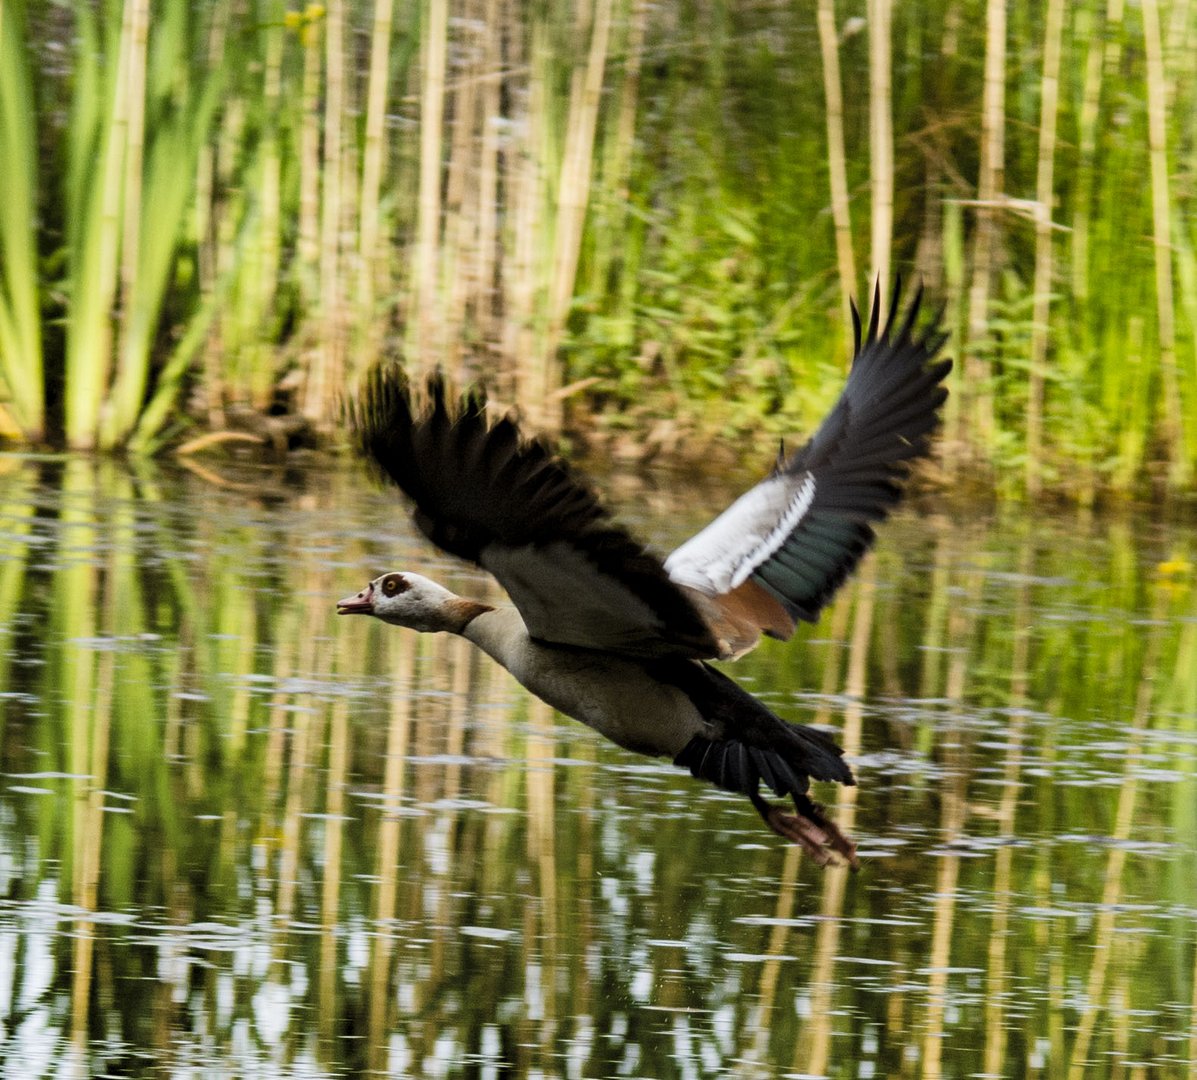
[818, 835]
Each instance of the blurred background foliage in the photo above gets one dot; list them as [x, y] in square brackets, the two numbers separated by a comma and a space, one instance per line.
[641, 221]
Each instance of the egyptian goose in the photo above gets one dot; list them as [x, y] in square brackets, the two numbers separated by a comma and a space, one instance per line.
[610, 634]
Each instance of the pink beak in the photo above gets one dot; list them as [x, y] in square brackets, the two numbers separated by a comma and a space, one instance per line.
[361, 604]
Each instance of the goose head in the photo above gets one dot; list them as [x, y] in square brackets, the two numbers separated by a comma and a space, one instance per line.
[409, 600]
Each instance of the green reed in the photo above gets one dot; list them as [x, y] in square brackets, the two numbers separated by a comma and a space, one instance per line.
[225, 208]
[20, 319]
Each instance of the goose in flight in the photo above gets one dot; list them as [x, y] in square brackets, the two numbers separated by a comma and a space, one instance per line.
[608, 633]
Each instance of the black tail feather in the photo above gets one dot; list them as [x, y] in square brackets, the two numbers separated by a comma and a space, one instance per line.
[735, 766]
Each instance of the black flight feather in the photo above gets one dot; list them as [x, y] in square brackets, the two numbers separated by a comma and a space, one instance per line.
[860, 456]
[479, 486]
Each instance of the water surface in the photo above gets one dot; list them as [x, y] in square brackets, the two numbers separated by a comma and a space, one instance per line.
[240, 837]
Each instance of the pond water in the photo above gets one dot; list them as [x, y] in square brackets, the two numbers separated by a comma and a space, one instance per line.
[242, 838]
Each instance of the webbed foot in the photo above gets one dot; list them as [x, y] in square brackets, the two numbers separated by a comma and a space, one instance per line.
[817, 834]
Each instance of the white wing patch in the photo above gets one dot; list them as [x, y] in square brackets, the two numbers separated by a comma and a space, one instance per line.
[723, 555]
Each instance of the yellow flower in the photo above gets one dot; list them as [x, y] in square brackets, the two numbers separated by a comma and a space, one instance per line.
[1174, 567]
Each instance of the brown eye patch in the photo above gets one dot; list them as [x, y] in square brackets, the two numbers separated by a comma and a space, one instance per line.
[393, 585]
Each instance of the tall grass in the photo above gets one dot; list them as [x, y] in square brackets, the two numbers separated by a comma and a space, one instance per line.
[617, 218]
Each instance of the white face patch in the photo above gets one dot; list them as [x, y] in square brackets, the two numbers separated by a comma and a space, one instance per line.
[723, 555]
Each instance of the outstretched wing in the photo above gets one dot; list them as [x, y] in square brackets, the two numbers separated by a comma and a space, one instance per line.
[510, 505]
[788, 543]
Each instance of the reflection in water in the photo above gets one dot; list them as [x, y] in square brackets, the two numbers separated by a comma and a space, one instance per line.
[240, 837]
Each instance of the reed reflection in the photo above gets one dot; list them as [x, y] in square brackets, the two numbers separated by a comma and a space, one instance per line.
[239, 835]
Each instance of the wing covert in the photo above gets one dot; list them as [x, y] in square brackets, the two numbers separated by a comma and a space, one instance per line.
[485, 494]
[800, 532]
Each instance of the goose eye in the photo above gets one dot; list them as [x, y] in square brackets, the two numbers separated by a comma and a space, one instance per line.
[392, 585]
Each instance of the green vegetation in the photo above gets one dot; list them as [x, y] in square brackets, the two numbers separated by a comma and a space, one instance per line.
[647, 214]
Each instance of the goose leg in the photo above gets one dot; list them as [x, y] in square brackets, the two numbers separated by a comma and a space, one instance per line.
[817, 835]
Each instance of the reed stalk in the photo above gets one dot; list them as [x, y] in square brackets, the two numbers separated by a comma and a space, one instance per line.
[935, 619]
[1131, 446]
[954, 276]
[334, 829]
[525, 181]
[460, 230]
[953, 815]
[373, 163]
[21, 360]
[943, 921]
[386, 867]
[829, 49]
[282, 671]
[17, 508]
[989, 184]
[813, 1049]
[326, 360]
[542, 833]
[881, 139]
[130, 362]
[265, 285]
[164, 177]
[1179, 59]
[99, 127]
[299, 761]
[459, 660]
[609, 262]
[307, 243]
[212, 368]
[427, 308]
[573, 192]
[617, 172]
[1180, 467]
[1011, 787]
[1078, 260]
[753, 1053]
[1186, 274]
[1193, 1016]
[96, 714]
[481, 302]
[74, 607]
[1044, 227]
[1111, 898]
